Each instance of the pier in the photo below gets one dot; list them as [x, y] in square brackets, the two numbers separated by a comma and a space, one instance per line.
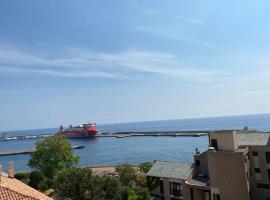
[9, 153]
[117, 134]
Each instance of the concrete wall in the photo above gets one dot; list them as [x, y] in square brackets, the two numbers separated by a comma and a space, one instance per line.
[228, 175]
[198, 194]
[166, 188]
[203, 168]
[262, 177]
[226, 140]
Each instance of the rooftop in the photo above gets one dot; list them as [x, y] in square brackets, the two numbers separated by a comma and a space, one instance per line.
[199, 182]
[253, 139]
[166, 169]
[13, 189]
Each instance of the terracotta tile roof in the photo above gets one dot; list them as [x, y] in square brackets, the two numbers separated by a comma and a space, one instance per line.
[7, 194]
[13, 189]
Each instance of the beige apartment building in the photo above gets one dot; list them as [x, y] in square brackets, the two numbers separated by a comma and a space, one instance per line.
[236, 166]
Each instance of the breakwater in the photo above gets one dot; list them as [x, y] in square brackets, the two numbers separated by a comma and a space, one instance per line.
[17, 152]
[117, 134]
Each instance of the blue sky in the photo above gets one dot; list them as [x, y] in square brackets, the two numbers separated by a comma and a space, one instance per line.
[67, 61]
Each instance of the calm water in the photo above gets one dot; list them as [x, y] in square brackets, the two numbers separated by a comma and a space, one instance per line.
[138, 149]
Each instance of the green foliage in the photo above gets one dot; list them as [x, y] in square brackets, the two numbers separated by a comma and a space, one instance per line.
[35, 178]
[134, 183]
[73, 183]
[140, 179]
[52, 155]
[127, 174]
[132, 195]
[24, 177]
[145, 167]
[152, 183]
[80, 184]
[143, 194]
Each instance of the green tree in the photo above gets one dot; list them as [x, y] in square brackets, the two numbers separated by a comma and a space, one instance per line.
[36, 178]
[145, 167]
[143, 194]
[74, 184]
[52, 155]
[127, 174]
[80, 184]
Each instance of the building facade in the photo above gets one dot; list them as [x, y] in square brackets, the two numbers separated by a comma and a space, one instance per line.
[236, 166]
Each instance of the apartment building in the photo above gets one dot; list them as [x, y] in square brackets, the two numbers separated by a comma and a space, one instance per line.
[236, 166]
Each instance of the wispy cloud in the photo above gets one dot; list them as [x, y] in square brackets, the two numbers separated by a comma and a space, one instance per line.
[173, 34]
[86, 63]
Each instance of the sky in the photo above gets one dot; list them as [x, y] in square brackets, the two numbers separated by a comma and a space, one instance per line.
[69, 61]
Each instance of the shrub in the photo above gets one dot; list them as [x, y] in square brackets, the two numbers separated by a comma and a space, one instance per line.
[36, 178]
[24, 177]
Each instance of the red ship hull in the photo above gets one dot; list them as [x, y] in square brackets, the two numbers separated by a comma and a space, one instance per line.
[82, 131]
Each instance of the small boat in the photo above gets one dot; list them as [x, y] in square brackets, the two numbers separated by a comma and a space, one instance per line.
[78, 147]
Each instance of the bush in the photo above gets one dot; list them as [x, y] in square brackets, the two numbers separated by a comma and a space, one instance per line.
[145, 167]
[127, 174]
[36, 178]
[80, 184]
[24, 177]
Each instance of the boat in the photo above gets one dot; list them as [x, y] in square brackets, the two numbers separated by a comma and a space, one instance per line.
[82, 131]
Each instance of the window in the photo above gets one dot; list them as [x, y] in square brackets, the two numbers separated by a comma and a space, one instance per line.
[175, 189]
[255, 153]
[257, 170]
[191, 194]
[197, 163]
[263, 186]
[267, 156]
[216, 196]
[214, 143]
[161, 188]
[269, 174]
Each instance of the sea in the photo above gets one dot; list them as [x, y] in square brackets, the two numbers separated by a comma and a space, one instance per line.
[134, 150]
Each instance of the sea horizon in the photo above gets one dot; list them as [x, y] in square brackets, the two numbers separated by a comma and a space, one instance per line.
[266, 115]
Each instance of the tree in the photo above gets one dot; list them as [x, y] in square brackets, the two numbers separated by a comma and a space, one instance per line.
[52, 155]
[127, 174]
[80, 184]
[74, 183]
[145, 167]
[36, 178]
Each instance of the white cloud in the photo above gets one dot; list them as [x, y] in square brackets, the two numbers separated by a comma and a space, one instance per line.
[172, 34]
[86, 63]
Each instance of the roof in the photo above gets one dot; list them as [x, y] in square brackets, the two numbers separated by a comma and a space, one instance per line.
[199, 181]
[166, 169]
[7, 194]
[13, 189]
[253, 139]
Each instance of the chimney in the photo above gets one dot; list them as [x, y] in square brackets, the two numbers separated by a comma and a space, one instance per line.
[11, 170]
[0, 172]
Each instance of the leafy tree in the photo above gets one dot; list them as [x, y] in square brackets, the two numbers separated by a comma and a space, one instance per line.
[126, 174]
[74, 184]
[132, 195]
[35, 178]
[145, 167]
[80, 184]
[52, 155]
[152, 183]
[140, 179]
[143, 194]
[24, 177]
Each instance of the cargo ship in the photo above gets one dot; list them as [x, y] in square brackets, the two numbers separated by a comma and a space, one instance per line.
[82, 131]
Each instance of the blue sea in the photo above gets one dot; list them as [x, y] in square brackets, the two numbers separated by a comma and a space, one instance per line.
[134, 150]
